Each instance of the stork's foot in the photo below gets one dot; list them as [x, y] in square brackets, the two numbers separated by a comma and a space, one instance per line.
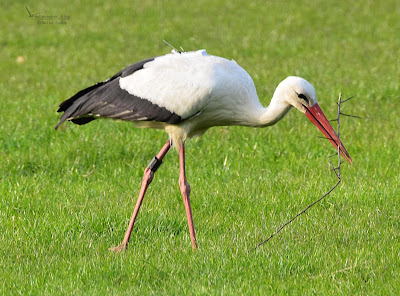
[119, 249]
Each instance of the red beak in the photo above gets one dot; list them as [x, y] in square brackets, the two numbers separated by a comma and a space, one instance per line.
[319, 119]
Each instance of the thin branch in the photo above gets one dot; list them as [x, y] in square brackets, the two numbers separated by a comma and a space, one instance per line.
[348, 99]
[295, 217]
[337, 173]
[170, 45]
[334, 169]
[349, 115]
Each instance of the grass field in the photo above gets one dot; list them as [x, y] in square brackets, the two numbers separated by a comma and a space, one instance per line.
[67, 196]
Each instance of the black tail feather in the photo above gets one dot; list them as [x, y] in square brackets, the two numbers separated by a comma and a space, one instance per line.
[83, 120]
[68, 103]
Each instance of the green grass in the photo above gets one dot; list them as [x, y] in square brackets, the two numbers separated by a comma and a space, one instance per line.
[67, 196]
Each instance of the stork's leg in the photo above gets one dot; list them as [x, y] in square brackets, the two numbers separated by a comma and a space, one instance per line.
[147, 178]
[185, 190]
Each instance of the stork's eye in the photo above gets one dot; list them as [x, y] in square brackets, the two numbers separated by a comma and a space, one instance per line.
[301, 96]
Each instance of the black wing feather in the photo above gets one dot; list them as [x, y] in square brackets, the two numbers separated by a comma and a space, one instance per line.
[125, 72]
[107, 99]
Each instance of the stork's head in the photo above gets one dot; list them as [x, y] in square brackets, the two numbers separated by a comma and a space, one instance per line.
[299, 93]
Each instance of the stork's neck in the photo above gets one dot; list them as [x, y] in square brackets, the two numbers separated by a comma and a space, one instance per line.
[275, 111]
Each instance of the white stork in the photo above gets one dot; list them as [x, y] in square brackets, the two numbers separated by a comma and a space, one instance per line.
[185, 94]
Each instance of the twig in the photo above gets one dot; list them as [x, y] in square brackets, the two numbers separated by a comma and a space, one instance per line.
[341, 113]
[349, 115]
[348, 99]
[170, 45]
[335, 169]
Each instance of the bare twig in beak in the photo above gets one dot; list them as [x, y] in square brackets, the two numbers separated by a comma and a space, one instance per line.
[337, 171]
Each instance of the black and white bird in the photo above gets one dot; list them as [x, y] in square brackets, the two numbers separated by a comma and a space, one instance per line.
[186, 94]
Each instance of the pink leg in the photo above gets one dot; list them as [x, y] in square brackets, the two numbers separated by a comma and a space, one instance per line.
[185, 190]
[147, 178]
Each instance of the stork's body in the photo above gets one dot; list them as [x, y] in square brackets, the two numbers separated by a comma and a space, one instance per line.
[185, 94]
